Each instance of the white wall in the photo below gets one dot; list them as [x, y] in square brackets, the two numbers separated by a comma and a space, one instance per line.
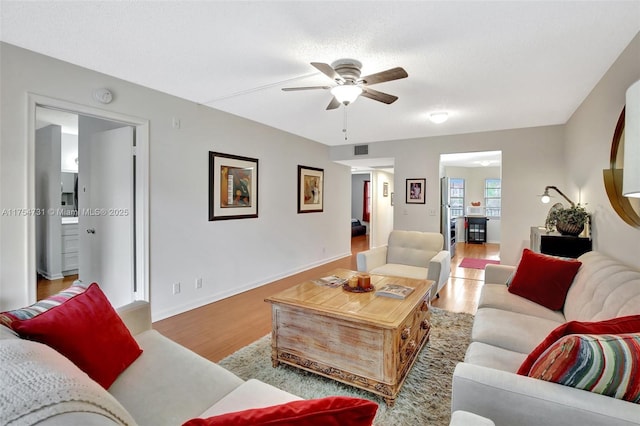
[69, 153]
[589, 134]
[230, 256]
[382, 211]
[530, 161]
[474, 191]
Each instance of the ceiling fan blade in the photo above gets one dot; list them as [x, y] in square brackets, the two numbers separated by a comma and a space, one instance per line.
[327, 70]
[291, 89]
[334, 103]
[388, 75]
[378, 96]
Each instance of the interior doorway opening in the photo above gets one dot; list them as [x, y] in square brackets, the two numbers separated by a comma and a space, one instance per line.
[101, 212]
[470, 198]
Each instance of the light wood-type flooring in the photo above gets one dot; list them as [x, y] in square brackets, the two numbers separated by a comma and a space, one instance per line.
[220, 328]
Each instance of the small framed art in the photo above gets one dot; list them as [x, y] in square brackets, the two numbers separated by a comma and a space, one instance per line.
[385, 189]
[416, 191]
[310, 189]
[233, 187]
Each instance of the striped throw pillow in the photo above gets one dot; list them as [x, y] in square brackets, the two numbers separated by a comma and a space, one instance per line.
[7, 318]
[607, 364]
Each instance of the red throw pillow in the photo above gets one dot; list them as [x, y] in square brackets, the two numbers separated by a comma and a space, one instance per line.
[621, 325]
[88, 331]
[544, 279]
[330, 411]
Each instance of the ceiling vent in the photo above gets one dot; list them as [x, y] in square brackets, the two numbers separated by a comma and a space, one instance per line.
[361, 150]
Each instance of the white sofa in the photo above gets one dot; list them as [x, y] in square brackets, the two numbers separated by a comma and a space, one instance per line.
[167, 385]
[410, 254]
[507, 327]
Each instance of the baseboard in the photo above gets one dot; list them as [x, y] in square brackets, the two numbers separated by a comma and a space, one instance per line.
[49, 277]
[197, 303]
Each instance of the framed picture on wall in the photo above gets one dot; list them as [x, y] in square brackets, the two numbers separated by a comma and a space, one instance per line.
[416, 189]
[385, 189]
[310, 189]
[233, 187]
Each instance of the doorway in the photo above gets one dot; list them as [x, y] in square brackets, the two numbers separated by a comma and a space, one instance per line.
[471, 187]
[95, 229]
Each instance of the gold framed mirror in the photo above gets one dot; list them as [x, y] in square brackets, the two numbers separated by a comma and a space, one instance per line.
[627, 208]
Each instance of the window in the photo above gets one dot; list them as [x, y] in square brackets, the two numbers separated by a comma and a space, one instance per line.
[492, 197]
[456, 197]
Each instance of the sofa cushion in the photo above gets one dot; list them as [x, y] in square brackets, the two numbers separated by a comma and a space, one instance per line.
[544, 279]
[87, 330]
[510, 330]
[251, 394]
[498, 296]
[603, 288]
[465, 418]
[7, 333]
[329, 411]
[413, 247]
[479, 353]
[175, 382]
[628, 324]
[607, 364]
[396, 270]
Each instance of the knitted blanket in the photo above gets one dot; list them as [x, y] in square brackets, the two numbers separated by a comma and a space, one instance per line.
[36, 383]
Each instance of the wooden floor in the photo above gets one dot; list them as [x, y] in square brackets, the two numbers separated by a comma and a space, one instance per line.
[48, 287]
[219, 329]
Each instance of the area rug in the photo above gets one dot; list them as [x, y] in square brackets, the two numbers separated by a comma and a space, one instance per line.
[425, 398]
[473, 263]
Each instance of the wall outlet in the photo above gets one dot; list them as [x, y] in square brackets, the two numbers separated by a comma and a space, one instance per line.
[176, 288]
[198, 283]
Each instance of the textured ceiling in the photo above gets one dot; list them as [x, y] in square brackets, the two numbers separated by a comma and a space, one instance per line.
[492, 65]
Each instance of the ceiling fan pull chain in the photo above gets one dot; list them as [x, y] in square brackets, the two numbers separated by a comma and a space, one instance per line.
[344, 128]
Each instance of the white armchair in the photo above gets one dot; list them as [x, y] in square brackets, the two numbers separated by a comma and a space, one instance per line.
[410, 254]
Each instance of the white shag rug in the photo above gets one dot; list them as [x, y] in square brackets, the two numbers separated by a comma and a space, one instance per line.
[425, 398]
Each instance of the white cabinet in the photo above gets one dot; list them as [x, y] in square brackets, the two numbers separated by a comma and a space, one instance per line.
[70, 244]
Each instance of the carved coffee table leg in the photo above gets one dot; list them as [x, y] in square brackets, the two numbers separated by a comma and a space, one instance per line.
[390, 402]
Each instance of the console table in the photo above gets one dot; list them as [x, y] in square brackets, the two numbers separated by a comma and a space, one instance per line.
[556, 244]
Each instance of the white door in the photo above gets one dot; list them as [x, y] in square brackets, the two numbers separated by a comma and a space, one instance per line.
[106, 216]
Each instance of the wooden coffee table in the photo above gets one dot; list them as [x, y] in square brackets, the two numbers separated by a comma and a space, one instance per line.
[361, 339]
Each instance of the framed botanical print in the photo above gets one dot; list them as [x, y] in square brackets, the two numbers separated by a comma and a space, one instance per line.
[233, 187]
[310, 189]
[416, 191]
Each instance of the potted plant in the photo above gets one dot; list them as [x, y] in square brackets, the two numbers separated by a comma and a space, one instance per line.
[568, 221]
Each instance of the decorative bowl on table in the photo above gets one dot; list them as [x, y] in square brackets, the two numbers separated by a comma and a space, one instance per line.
[346, 287]
[360, 283]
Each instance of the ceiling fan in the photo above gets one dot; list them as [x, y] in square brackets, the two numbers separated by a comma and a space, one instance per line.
[346, 74]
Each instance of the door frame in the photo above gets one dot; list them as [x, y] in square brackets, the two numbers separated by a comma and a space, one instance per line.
[142, 186]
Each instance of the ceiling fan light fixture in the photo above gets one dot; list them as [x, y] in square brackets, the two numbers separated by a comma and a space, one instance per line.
[439, 117]
[346, 93]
